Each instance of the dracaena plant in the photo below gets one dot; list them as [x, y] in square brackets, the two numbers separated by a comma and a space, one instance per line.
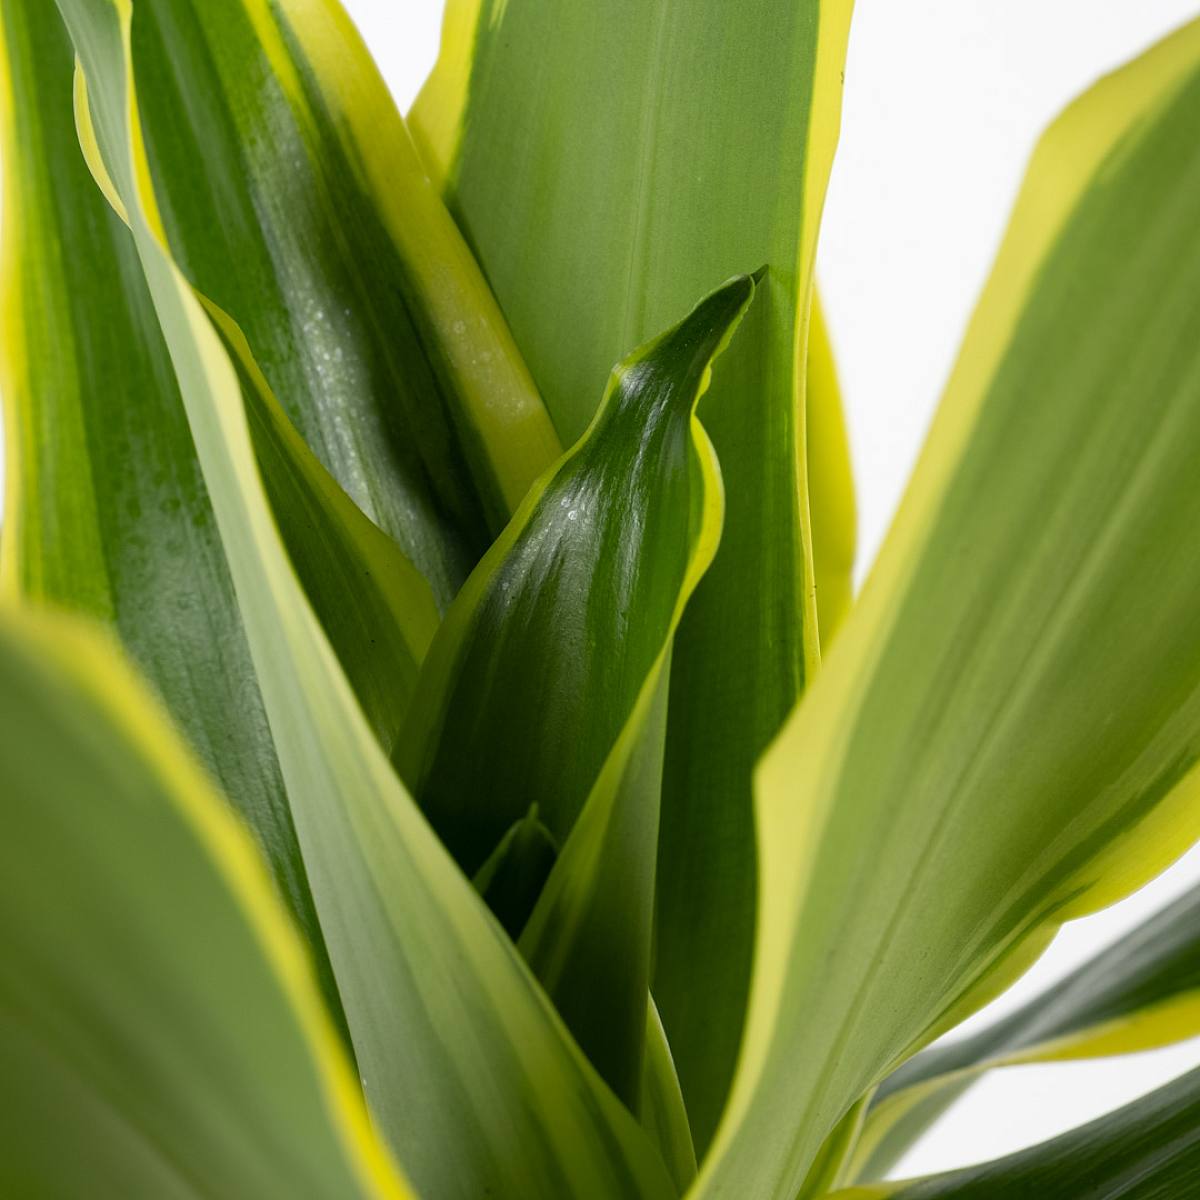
[430, 770]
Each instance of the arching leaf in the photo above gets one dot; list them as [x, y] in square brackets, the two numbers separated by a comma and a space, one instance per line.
[1148, 1150]
[1141, 992]
[1005, 731]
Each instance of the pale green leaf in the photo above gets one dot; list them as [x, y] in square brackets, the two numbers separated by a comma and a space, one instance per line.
[1004, 733]
[1141, 992]
[1148, 1150]
[660, 1105]
[160, 1028]
[830, 482]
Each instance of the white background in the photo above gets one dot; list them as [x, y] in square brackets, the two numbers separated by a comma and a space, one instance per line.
[943, 101]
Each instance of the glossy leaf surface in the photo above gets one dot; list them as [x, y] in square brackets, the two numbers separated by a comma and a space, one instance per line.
[161, 1032]
[545, 685]
[107, 512]
[608, 163]
[1003, 735]
[450, 1030]
[358, 298]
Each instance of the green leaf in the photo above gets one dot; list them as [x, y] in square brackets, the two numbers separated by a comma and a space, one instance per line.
[450, 1030]
[374, 606]
[160, 1028]
[588, 939]
[510, 882]
[356, 293]
[545, 685]
[654, 147]
[512, 878]
[1005, 732]
[1141, 992]
[830, 482]
[661, 1109]
[105, 510]
[1148, 1150]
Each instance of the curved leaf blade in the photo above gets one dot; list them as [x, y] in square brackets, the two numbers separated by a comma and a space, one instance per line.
[1004, 733]
[449, 1028]
[1141, 992]
[160, 1029]
[1148, 1150]
[499, 123]
[545, 685]
[540, 661]
[661, 1109]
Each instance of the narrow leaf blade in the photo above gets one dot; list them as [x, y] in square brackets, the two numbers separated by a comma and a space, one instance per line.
[830, 481]
[160, 1028]
[106, 511]
[1141, 992]
[1148, 1150]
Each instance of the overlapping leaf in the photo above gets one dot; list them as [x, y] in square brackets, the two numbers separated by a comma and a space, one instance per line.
[1141, 992]
[292, 197]
[545, 686]
[107, 510]
[589, 938]
[105, 507]
[607, 163]
[1004, 734]
[160, 1028]
[450, 1031]
[1148, 1150]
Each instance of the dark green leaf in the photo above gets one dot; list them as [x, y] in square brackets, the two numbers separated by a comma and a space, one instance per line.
[515, 873]
[542, 684]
